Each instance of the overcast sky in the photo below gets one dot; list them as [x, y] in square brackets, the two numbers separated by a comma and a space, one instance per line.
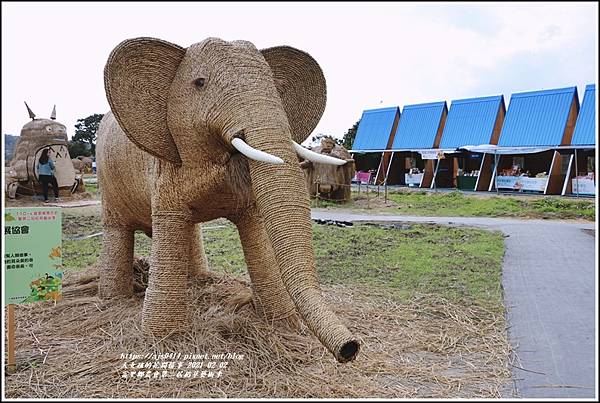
[372, 54]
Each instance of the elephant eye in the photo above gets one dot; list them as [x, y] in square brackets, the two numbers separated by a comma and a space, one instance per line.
[199, 82]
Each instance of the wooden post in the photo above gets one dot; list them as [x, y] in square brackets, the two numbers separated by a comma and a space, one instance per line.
[385, 189]
[11, 337]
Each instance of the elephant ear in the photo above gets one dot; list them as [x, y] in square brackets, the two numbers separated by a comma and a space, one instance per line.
[137, 79]
[301, 86]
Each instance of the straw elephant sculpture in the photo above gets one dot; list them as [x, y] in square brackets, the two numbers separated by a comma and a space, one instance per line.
[203, 132]
[327, 181]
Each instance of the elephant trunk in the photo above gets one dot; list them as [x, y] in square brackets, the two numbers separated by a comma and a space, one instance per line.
[283, 202]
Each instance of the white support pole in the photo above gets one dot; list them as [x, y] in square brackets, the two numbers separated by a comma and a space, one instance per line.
[567, 177]
[437, 165]
[480, 169]
[550, 170]
[496, 171]
[493, 178]
[387, 172]
[378, 168]
[576, 173]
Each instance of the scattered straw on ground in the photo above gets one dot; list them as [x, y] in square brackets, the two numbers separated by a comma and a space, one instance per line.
[424, 348]
[373, 201]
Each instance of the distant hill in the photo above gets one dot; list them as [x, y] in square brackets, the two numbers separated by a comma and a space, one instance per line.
[10, 142]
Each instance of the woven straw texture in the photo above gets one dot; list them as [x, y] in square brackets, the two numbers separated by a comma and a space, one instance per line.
[165, 304]
[336, 178]
[191, 174]
[270, 294]
[301, 85]
[137, 79]
[117, 260]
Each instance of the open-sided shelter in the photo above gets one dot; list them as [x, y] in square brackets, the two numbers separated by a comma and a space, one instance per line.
[536, 125]
[471, 121]
[581, 179]
[419, 132]
[374, 136]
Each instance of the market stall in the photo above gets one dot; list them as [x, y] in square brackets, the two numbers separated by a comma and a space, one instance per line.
[521, 169]
[470, 121]
[580, 176]
[374, 136]
[537, 125]
[419, 130]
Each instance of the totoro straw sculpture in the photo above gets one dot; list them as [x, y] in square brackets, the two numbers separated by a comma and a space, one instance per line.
[36, 135]
[205, 132]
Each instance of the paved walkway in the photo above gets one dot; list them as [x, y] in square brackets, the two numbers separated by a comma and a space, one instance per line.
[549, 281]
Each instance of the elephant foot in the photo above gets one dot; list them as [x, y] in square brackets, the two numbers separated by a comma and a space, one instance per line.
[162, 314]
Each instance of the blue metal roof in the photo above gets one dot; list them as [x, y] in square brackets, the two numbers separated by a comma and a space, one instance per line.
[471, 121]
[537, 118]
[585, 128]
[418, 126]
[375, 128]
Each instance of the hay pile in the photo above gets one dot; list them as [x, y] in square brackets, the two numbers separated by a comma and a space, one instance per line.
[426, 348]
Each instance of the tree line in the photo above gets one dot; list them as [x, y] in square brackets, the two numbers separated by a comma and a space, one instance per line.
[83, 142]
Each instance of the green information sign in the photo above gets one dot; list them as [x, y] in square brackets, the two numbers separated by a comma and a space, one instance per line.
[33, 269]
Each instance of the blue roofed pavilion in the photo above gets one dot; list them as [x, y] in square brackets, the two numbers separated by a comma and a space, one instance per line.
[539, 118]
[375, 129]
[585, 128]
[472, 122]
[419, 126]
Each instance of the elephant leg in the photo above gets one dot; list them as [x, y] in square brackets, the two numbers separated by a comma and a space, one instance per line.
[165, 302]
[116, 263]
[270, 295]
[198, 261]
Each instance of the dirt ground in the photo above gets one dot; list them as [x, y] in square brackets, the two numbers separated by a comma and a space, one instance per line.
[80, 199]
[424, 348]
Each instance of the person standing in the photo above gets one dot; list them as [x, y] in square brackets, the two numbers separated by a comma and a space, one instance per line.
[45, 169]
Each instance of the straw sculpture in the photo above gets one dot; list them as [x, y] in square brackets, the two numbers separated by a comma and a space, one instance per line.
[206, 132]
[35, 136]
[328, 181]
[78, 165]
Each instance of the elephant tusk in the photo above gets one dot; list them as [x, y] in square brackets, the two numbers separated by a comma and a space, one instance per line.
[316, 157]
[253, 153]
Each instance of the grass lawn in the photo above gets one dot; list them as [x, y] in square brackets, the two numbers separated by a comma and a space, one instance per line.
[458, 204]
[462, 265]
[92, 188]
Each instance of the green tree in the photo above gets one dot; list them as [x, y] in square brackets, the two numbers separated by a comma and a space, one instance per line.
[85, 131]
[77, 148]
[349, 136]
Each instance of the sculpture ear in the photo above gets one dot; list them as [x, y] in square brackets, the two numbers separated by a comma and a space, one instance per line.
[301, 86]
[137, 79]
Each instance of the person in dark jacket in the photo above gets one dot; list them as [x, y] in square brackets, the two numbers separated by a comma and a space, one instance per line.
[45, 169]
